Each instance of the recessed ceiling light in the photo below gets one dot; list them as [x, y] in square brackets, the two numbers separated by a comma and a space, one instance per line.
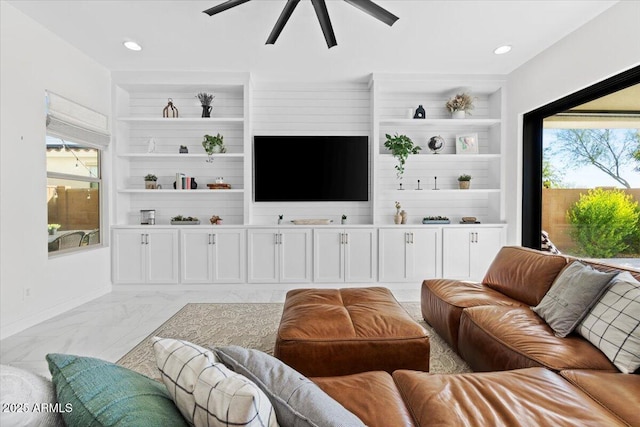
[502, 49]
[131, 45]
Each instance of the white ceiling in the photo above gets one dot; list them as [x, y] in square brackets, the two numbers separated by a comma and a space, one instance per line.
[431, 36]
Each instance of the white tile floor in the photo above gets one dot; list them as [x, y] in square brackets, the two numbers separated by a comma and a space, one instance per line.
[109, 326]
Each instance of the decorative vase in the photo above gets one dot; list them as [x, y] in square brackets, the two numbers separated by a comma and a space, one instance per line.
[52, 231]
[420, 113]
[403, 216]
[464, 185]
[397, 218]
[206, 111]
[458, 114]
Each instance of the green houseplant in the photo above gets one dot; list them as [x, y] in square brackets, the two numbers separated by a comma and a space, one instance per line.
[150, 181]
[53, 228]
[464, 181]
[401, 146]
[213, 144]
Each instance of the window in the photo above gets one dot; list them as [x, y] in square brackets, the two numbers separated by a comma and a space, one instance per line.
[582, 157]
[76, 137]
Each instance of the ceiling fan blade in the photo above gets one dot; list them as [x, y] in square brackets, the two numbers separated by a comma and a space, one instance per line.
[282, 20]
[325, 22]
[224, 6]
[374, 10]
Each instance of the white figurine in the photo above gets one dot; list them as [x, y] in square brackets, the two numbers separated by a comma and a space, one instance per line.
[151, 148]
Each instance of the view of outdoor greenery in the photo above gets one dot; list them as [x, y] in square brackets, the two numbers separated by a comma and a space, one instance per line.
[591, 197]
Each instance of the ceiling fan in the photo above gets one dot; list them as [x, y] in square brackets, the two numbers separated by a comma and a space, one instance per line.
[322, 13]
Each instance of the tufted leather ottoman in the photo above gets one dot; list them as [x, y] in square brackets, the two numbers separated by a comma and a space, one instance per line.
[331, 332]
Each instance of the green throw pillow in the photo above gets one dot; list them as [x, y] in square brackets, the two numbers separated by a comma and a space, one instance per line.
[100, 393]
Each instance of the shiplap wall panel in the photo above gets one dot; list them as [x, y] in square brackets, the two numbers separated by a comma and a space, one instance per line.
[304, 109]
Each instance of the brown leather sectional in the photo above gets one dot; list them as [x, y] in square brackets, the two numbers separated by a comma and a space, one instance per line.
[536, 379]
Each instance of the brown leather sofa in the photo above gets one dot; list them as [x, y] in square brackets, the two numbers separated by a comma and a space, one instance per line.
[524, 397]
[491, 325]
[538, 379]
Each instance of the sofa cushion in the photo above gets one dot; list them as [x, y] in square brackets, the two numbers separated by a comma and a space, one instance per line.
[495, 338]
[104, 394]
[372, 396]
[613, 325]
[20, 390]
[206, 391]
[623, 402]
[298, 401]
[573, 293]
[523, 274]
[442, 302]
[533, 397]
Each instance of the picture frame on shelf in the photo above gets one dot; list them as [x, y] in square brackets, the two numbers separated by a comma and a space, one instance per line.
[467, 143]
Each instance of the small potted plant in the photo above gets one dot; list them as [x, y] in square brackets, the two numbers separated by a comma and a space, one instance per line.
[464, 181]
[150, 182]
[460, 105]
[343, 220]
[183, 149]
[205, 102]
[53, 228]
[400, 146]
[213, 144]
[280, 217]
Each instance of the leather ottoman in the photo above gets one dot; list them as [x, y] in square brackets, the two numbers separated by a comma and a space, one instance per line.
[331, 332]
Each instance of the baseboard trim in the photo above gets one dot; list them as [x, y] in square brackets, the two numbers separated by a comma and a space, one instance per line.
[20, 325]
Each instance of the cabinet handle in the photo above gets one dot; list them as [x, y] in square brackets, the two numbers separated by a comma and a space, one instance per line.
[406, 238]
[146, 239]
[275, 238]
[346, 238]
[213, 239]
[411, 238]
[474, 237]
[279, 238]
[342, 238]
[142, 238]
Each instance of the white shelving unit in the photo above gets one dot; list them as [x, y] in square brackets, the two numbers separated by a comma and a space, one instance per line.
[139, 99]
[392, 98]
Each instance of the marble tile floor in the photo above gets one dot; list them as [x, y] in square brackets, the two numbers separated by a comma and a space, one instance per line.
[109, 326]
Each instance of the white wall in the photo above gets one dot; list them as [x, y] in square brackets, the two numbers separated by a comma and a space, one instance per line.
[33, 59]
[601, 48]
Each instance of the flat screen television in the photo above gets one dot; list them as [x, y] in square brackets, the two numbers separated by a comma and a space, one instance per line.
[311, 168]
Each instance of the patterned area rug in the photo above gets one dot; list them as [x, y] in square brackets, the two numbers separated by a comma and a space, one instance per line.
[254, 326]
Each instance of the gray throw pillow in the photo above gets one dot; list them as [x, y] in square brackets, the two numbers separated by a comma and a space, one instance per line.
[573, 293]
[298, 402]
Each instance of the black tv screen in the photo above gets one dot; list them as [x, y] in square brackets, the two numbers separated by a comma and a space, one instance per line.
[311, 168]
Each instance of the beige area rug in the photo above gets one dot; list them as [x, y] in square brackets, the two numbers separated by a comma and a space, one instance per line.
[254, 326]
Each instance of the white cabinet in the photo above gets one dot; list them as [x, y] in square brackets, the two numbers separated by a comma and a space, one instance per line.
[344, 255]
[408, 255]
[279, 255]
[468, 251]
[212, 256]
[145, 256]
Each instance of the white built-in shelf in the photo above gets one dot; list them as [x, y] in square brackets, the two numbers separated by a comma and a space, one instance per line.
[470, 122]
[426, 156]
[185, 192]
[182, 119]
[151, 156]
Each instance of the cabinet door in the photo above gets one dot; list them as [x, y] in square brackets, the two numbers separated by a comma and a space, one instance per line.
[392, 255]
[360, 255]
[295, 255]
[229, 256]
[485, 244]
[128, 256]
[196, 264]
[162, 256]
[328, 257]
[456, 257]
[422, 253]
[263, 256]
